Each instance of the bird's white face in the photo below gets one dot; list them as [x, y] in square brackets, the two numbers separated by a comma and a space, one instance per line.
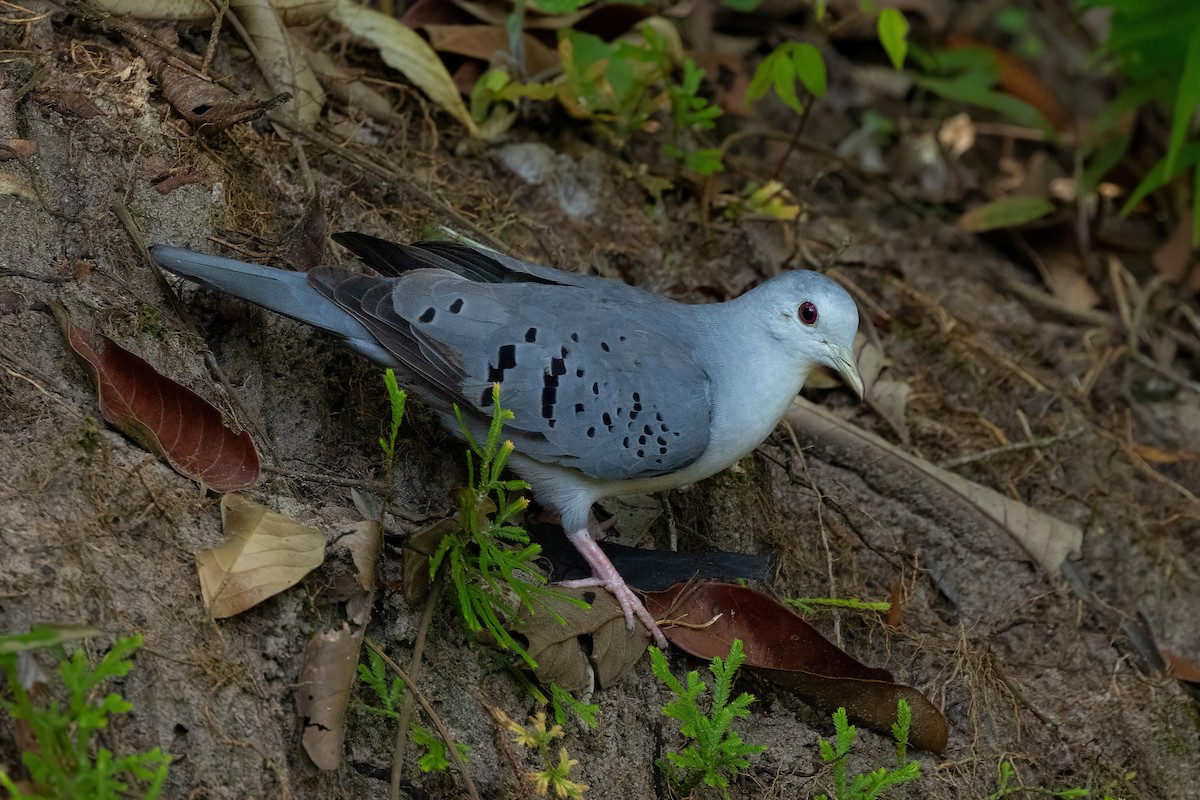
[816, 320]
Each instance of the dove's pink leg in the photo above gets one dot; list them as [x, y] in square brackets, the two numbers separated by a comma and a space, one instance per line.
[605, 575]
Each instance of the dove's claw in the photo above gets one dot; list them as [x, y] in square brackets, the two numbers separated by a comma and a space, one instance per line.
[605, 575]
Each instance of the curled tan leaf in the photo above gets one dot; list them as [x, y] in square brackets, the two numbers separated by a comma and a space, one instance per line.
[282, 60]
[327, 676]
[1049, 541]
[266, 553]
[402, 49]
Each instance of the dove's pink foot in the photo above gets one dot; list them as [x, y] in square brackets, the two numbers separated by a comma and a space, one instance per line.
[605, 575]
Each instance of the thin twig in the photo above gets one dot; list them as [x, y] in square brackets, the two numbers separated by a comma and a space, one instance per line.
[983, 455]
[414, 671]
[434, 719]
[820, 499]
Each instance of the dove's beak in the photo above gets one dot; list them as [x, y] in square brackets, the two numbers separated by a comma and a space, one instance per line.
[842, 360]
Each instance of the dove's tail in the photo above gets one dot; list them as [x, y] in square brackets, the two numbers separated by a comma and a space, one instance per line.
[279, 290]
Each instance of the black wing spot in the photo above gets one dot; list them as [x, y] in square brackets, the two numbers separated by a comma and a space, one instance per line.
[495, 375]
[574, 337]
[531, 335]
[641, 453]
[665, 429]
[508, 356]
[641, 440]
[620, 411]
[558, 367]
[648, 430]
[456, 306]
[551, 424]
[621, 338]
[485, 400]
[662, 451]
[658, 416]
[579, 373]
[428, 315]
[579, 408]
[549, 397]
[604, 346]
[591, 433]
[607, 419]
[596, 388]
[564, 352]
[625, 443]
[661, 440]
[637, 397]
[633, 414]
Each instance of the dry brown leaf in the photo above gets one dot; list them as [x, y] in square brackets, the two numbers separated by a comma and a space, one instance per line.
[561, 656]
[417, 550]
[325, 685]
[1172, 257]
[16, 186]
[485, 41]
[1048, 540]
[886, 396]
[1065, 280]
[266, 553]
[1181, 669]
[704, 619]
[165, 418]
[282, 60]
[402, 49]
[365, 541]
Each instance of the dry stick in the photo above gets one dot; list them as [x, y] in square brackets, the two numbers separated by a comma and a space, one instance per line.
[414, 671]
[837, 617]
[214, 34]
[983, 455]
[357, 483]
[434, 719]
[804, 116]
[139, 241]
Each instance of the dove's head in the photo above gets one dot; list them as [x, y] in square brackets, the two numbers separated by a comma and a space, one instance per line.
[816, 320]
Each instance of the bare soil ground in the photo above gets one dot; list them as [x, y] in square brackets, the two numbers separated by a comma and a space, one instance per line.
[1025, 665]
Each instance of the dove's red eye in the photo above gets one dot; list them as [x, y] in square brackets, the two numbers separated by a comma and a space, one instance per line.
[807, 313]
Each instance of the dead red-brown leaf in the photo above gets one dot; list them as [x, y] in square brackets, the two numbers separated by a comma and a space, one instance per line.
[164, 417]
[1180, 668]
[703, 619]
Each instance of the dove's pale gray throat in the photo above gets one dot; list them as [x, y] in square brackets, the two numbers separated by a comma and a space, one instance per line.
[614, 390]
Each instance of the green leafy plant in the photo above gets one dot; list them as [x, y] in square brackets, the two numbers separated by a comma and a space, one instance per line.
[390, 694]
[716, 752]
[64, 760]
[396, 400]
[1155, 44]
[785, 66]
[872, 785]
[555, 774]
[489, 561]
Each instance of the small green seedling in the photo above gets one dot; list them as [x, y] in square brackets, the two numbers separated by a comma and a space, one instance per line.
[871, 785]
[489, 559]
[64, 760]
[390, 694]
[716, 752]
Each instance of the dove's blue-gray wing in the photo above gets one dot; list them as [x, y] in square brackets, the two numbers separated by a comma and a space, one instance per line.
[393, 259]
[591, 384]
